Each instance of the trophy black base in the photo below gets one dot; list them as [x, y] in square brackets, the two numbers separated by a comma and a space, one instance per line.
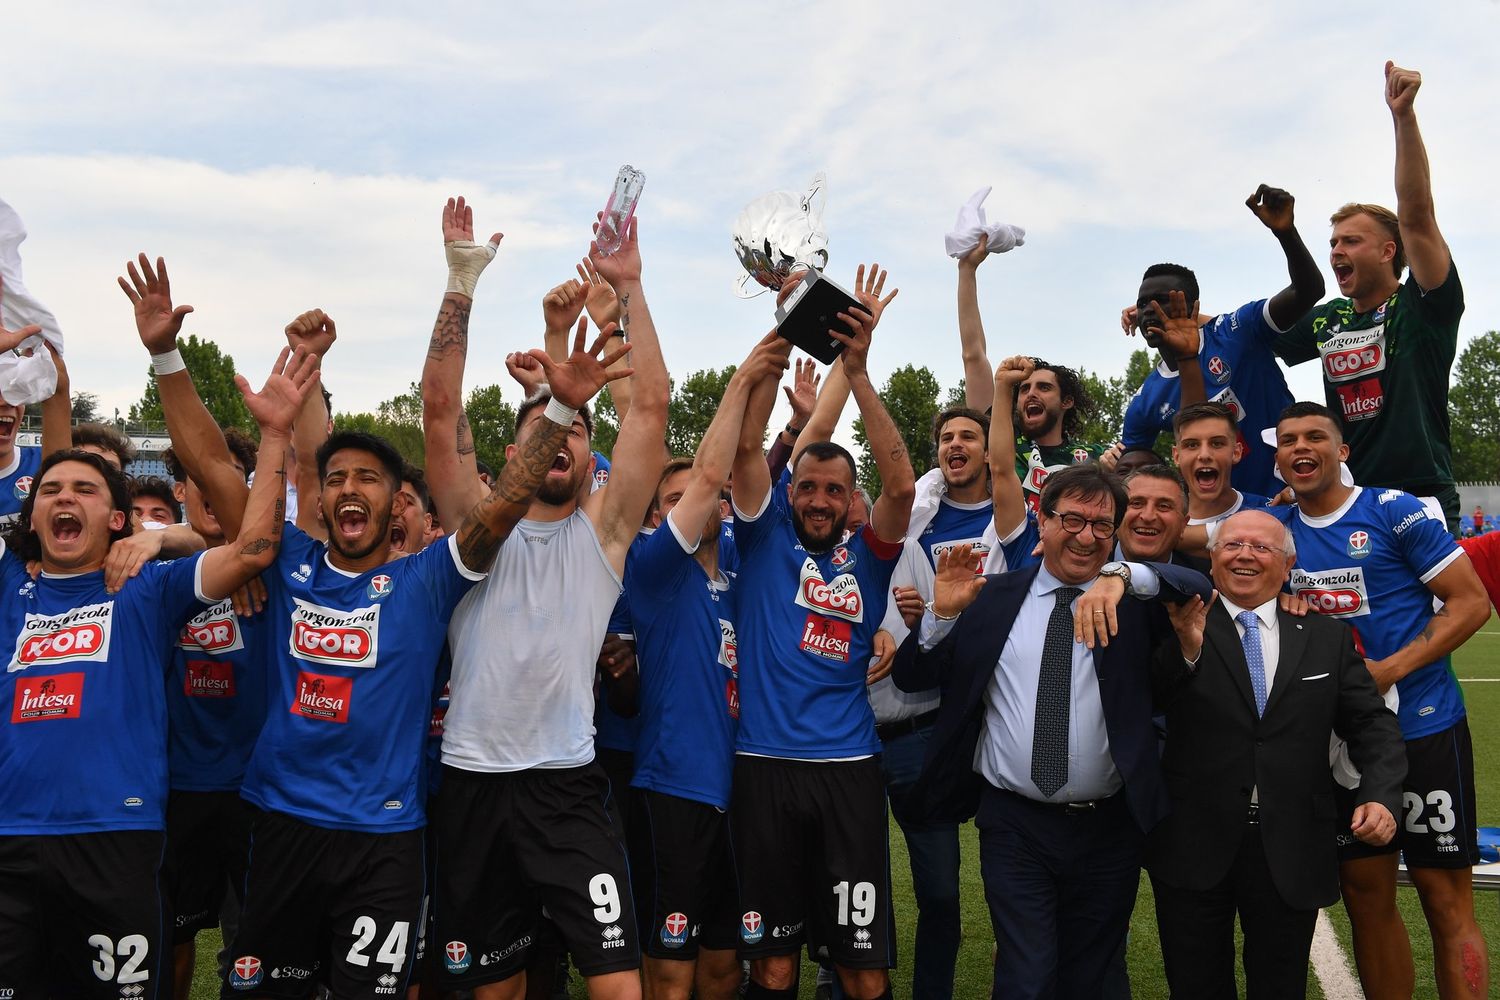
[811, 311]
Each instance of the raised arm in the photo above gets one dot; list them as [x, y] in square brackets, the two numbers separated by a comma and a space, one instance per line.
[1180, 335]
[574, 382]
[752, 477]
[1273, 207]
[617, 510]
[827, 411]
[315, 332]
[226, 568]
[197, 439]
[57, 409]
[720, 445]
[803, 397]
[898, 484]
[1426, 251]
[978, 387]
[452, 475]
[1010, 500]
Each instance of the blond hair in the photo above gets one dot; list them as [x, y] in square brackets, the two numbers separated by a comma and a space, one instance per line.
[1385, 219]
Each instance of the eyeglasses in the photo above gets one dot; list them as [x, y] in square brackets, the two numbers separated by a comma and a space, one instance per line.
[1236, 547]
[1073, 523]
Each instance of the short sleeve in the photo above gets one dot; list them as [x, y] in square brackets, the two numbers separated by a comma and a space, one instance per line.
[1441, 306]
[751, 528]
[1424, 541]
[443, 572]
[1300, 343]
[1140, 429]
[1017, 546]
[174, 589]
[661, 562]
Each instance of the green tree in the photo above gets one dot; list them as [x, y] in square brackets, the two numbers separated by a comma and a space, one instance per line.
[606, 423]
[86, 408]
[492, 421]
[692, 407]
[911, 398]
[1474, 411]
[1111, 396]
[958, 395]
[398, 420]
[213, 374]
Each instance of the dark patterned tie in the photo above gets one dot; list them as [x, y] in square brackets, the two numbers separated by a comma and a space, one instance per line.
[1054, 686]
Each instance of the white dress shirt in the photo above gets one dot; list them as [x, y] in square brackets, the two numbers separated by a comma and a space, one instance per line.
[1003, 755]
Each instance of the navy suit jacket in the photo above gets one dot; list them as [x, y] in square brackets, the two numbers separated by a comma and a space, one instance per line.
[962, 664]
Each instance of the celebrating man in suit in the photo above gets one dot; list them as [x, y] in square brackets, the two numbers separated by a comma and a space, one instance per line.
[1045, 726]
[1255, 695]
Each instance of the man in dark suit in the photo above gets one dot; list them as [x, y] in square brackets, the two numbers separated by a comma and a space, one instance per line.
[1045, 728]
[1255, 695]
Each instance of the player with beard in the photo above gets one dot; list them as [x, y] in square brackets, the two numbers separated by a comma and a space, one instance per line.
[1377, 559]
[1386, 345]
[808, 809]
[523, 820]
[1207, 447]
[84, 779]
[1050, 404]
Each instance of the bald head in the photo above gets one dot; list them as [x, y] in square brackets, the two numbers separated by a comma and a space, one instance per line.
[1252, 554]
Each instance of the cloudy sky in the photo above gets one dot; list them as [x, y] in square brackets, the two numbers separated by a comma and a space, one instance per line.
[283, 156]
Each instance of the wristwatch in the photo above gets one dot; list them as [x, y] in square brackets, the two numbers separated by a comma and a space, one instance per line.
[942, 618]
[1118, 569]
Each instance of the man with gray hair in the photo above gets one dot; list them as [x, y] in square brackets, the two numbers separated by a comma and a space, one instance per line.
[1252, 694]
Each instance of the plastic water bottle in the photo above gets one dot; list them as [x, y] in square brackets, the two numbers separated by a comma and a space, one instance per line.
[620, 209]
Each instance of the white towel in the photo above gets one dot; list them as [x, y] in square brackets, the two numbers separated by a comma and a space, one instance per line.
[23, 380]
[971, 227]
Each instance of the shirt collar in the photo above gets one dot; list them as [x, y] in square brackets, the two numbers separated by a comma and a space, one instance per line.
[1265, 612]
[1045, 583]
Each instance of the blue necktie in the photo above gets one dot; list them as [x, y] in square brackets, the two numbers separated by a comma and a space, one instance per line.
[1054, 697]
[1254, 658]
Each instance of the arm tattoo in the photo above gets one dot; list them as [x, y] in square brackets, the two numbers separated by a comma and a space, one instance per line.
[491, 520]
[1430, 629]
[625, 315]
[255, 547]
[450, 333]
[465, 435]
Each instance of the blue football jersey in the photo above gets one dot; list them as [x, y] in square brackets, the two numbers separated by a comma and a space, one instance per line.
[601, 472]
[806, 629]
[350, 696]
[957, 524]
[1240, 371]
[83, 705]
[216, 699]
[15, 481]
[1368, 563]
[686, 647]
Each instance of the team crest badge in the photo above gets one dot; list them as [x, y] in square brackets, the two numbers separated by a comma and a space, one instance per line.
[751, 927]
[246, 973]
[380, 586]
[456, 955]
[674, 930]
[1080, 455]
[23, 487]
[1218, 369]
[843, 559]
[1359, 544]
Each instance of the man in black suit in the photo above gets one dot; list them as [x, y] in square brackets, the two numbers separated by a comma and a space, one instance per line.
[1255, 695]
[1045, 728]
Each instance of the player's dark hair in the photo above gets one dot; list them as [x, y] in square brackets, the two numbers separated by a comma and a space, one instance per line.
[418, 479]
[1084, 482]
[1304, 408]
[385, 453]
[826, 451]
[23, 541]
[1186, 276]
[160, 489]
[241, 445]
[1204, 411]
[968, 413]
[542, 397]
[483, 468]
[1165, 473]
[1069, 386]
[106, 437]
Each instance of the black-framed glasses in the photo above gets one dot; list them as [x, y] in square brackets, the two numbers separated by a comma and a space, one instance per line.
[1235, 547]
[1073, 524]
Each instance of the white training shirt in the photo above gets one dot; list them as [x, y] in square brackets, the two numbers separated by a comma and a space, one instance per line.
[525, 643]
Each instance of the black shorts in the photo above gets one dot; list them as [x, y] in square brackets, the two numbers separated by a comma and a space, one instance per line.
[683, 873]
[513, 845]
[1436, 827]
[339, 906]
[208, 849]
[809, 841]
[84, 915]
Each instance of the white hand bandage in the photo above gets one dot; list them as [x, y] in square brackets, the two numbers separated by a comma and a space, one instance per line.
[466, 262]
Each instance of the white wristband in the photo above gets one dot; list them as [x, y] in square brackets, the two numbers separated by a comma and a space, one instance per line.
[168, 362]
[559, 413]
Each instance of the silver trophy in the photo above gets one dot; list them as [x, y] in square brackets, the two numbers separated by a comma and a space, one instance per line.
[776, 235]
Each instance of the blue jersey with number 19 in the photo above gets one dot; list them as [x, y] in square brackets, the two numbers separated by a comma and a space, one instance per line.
[83, 712]
[1369, 563]
[807, 623]
[351, 691]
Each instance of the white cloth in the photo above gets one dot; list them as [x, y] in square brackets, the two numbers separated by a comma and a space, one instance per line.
[525, 644]
[23, 380]
[971, 227]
